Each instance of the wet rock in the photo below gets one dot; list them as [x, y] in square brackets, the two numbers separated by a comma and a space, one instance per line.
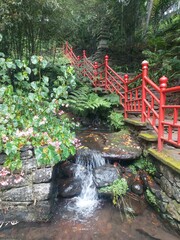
[162, 206]
[41, 191]
[173, 208]
[117, 146]
[26, 154]
[42, 175]
[26, 148]
[137, 188]
[28, 165]
[68, 169]
[176, 193]
[105, 175]
[129, 176]
[25, 212]
[2, 158]
[69, 187]
[166, 186]
[27, 193]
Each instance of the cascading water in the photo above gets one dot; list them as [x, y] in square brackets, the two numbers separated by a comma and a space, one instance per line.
[87, 201]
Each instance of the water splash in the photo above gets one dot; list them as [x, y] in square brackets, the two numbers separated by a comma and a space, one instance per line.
[85, 204]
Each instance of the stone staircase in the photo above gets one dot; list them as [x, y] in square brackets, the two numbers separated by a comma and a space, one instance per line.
[170, 155]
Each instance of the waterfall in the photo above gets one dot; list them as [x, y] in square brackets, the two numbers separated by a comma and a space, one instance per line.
[87, 201]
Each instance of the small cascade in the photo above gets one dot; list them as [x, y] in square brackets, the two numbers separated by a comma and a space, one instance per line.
[85, 204]
[90, 159]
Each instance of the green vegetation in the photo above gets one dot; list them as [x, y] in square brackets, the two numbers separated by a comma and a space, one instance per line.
[143, 164]
[30, 113]
[151, 197]
[84, 100]
[118, 189]
[116, 120]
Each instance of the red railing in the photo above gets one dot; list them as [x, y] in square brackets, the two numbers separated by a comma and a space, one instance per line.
[138, 95]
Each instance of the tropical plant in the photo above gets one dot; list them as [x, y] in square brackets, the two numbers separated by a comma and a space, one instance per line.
[116, 120]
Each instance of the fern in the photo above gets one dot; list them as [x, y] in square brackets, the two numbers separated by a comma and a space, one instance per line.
[83, 100]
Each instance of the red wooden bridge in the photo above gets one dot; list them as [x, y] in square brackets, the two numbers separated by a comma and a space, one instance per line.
[139, 95]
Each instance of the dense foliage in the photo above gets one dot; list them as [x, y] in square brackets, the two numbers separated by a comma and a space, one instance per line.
[30, 114]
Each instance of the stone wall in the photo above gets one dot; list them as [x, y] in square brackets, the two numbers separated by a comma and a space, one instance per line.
[166, 190]
[26, 195]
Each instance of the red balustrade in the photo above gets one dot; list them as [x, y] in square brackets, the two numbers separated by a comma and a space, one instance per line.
[138, 95]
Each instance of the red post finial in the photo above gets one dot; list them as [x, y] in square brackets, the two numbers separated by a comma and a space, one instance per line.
[84, 53]
[145, 64]
[95, 65]
[126, 77]
[163, 82]
[106, 58]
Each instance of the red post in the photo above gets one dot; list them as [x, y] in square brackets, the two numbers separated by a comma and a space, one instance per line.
[163, 85]
[95, 74]
[66, 48]
[145, 65]
[106, 71]
[71, 54]
[78, 61]
[84, 63]
[126, 77]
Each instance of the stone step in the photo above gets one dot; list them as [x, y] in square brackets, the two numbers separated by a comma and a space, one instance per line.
[135, 121]
[149, 136]
[170, 156]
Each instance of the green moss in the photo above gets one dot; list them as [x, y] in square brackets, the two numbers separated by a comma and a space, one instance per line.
[148, 136]
[135, 122]
[166, 159]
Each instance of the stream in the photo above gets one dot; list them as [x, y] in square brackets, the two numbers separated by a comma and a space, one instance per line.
[107, 223]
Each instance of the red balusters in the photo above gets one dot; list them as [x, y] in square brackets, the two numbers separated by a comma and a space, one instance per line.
[95, 74]
[163, 85]
[106, 71]
[144, 74]
[84, 63]
[126, 77]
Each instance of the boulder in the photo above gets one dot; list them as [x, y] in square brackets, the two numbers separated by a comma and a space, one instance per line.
[105, 175]
[69, 187]
[117, 146]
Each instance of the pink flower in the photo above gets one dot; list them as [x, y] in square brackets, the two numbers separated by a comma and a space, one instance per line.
[61, 112]
[18, 179]
[4, 183]
[76, 142]
[5, 138]
[4, 172]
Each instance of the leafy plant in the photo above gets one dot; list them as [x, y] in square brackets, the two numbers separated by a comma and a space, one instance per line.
[83, 100]
[112, 98]
[143, 164]
[116, 120]
[150, 197]
[118, 189]
[33, 118]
